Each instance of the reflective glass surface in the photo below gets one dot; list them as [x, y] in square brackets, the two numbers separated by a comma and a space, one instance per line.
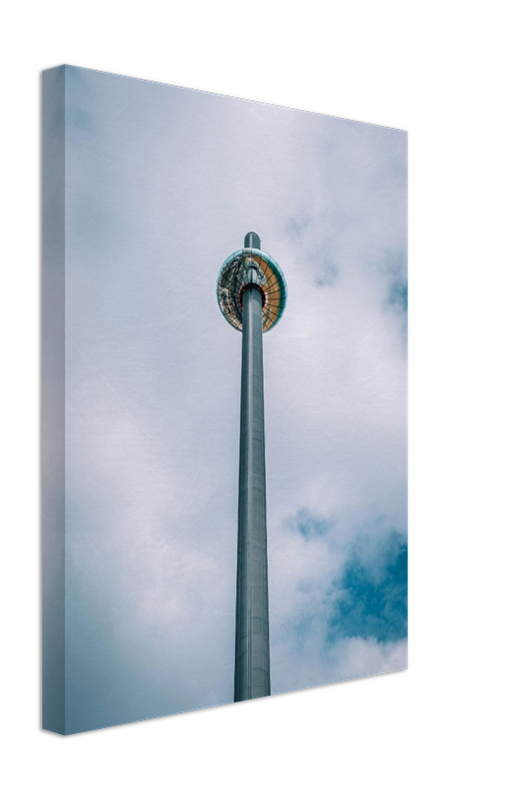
[247, 267]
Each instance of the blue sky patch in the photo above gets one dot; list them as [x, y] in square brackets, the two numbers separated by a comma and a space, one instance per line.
[371, 599]
[398, 295]
[309, 526]
[327, 273]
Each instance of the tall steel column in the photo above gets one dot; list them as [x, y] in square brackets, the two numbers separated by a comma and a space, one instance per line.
[251, 292]
[252, 662]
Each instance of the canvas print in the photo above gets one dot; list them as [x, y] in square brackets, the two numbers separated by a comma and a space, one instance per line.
[224, 400]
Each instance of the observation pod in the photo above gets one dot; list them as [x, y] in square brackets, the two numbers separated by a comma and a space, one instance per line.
[251, 292]
[249, 268]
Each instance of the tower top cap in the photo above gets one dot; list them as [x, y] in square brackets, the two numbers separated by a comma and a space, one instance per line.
[252, 239]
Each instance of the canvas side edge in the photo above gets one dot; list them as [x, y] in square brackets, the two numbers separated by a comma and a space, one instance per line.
[53, 400]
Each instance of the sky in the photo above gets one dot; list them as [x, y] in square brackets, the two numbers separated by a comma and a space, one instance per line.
[162, 184]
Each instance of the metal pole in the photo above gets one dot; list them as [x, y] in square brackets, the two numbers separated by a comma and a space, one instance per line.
[252, 660]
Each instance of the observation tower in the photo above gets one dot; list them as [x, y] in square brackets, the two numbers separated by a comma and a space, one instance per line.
[251, 292]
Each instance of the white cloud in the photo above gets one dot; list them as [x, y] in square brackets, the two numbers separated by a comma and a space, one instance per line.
[350, 658]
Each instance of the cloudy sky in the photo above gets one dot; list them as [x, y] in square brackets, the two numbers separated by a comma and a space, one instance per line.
[162, 184]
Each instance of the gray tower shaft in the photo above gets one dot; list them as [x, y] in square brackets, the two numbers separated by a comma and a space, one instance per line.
[252, 660]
